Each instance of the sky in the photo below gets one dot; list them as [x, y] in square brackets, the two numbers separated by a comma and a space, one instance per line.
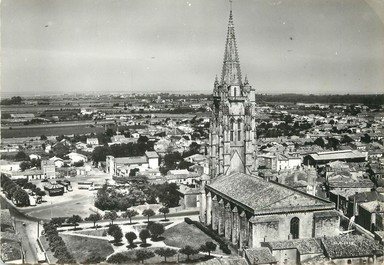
[126, 46]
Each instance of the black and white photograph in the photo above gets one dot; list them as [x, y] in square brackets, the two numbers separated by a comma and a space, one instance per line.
[209, 132]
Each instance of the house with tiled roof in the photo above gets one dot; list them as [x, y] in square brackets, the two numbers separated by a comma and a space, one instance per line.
[294, 251]
[343, 155]
[122, 166]
[259, 256]
[352, 249]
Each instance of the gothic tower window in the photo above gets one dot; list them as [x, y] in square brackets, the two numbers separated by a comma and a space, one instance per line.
[294, 229]
[239, 130]
[232, 129]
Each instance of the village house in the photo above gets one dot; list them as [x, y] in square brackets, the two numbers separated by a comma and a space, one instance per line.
[122, 166]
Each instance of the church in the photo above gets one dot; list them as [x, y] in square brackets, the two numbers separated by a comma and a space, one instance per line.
[236, 203]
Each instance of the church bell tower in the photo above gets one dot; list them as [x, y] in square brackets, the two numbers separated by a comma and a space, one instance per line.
[232, 141]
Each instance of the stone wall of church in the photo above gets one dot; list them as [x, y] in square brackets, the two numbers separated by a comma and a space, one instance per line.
[326, 226]
[277, 227]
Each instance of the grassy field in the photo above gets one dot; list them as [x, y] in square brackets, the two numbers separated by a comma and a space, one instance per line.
[98, 232]
[48, 131]
[83, 248]
[184, 234]
[177, 259]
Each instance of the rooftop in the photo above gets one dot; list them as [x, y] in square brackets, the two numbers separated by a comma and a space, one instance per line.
[260, 255]
[131, 160]
[304, 246]
[263, 197]
[151, 154]
[350, 246]
[338, 155]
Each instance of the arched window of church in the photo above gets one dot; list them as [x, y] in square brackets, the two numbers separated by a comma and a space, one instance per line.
[294, 229]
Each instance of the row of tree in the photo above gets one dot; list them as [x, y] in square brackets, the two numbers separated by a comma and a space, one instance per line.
[119, 150]
[57, 245]
[144, 254]
[112, 216]
[14, 192]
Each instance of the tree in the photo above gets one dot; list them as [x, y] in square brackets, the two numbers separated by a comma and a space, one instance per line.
[119, 258]
[43, 137]
[164, 211]
[58, 221]
[21, 156]
[144, 235]
[25, 165]
[78, 163]
[41, 193]
[130, 236]
[319, 141]
[188, 250]
[109, 132]
[168, 194]
[148, 213]
[111, 216]
[100, 153]
[74, 219]
[21, 197]
[129, 214]
[156, 230]
[115, 231]
[94, 217]
[166, 252]
[143, 254]
[208, 247]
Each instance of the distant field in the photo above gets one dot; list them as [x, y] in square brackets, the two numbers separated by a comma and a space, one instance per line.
[50, 131]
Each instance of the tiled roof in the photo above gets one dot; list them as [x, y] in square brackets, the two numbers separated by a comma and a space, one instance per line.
[131, 160]
[151, 154]
[304, 246]
[9, 236]
[350, 246]
[362, 183]
[6, 217]
[335, 155]
[373, 206]
[263, 197]
[10, 251]
[259, 255]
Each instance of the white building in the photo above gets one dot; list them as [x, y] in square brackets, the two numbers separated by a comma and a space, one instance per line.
[121, 166]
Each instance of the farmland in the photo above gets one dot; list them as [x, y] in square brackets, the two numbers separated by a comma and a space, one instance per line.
[15, 132]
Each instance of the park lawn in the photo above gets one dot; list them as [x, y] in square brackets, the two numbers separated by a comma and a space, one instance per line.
[93, 232]
[184, 234]
[131, 258]
[83, 248]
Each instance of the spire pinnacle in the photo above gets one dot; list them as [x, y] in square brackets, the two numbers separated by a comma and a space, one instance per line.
[231, 73]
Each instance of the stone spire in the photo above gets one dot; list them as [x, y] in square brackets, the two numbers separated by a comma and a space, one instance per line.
[231, 74]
